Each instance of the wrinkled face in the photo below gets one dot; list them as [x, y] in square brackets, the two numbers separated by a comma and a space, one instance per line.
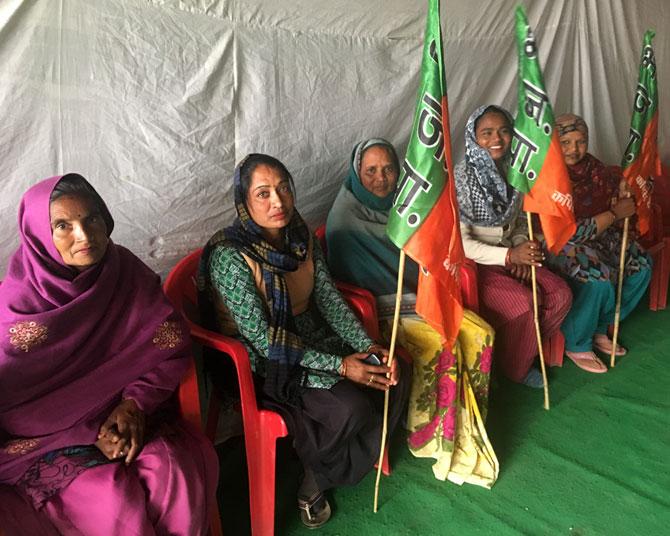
[494, 133]
[378, 171]
[78, 231]
[574, 146]
[270, 199]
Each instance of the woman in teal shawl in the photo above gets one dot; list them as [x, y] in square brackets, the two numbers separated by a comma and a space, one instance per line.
[359, 250]
[449, 395]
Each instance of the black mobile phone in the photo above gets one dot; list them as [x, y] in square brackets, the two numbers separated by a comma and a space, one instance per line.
[372, 359]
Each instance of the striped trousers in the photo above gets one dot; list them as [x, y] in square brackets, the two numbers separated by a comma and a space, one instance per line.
[507, 304]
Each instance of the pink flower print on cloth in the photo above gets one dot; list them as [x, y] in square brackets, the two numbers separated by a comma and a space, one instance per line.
[485, 360]
[445, 362]
[19, 447]
[26, 335]
[419, 438]
[167, 335]
[449, 423]
[446, 391]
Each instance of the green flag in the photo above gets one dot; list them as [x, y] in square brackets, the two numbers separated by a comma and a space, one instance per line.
[424, 217]
[536, 167]
[640, 159]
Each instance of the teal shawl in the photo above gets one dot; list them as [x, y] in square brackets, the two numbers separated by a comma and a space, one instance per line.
[359, 252]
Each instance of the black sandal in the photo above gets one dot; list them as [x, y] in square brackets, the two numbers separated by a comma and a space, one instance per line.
[315, 511]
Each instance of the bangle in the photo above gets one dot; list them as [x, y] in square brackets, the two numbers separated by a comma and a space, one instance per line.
[613, 216]
[507, 257]
[343, 369]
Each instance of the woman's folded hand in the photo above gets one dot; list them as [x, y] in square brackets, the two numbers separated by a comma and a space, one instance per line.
[124, 429]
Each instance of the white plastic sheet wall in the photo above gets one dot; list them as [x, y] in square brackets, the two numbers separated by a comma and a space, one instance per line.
[155, 101]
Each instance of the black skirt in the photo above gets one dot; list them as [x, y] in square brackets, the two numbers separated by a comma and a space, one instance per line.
[337, 431]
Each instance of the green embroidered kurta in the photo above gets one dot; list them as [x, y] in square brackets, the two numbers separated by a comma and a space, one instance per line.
[329, 329]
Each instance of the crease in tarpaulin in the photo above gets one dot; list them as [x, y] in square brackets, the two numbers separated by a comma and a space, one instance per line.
[59, 76]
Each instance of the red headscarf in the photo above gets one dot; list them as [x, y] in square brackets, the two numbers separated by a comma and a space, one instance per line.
[594, 185]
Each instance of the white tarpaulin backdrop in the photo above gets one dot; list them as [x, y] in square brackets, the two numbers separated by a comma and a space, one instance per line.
[155, 101]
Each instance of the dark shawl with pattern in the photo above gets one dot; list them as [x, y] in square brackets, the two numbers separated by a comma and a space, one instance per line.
[284, 375]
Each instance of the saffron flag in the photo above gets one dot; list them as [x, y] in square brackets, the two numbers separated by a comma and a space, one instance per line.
[424, 218]
[536, 167]
[640, 159]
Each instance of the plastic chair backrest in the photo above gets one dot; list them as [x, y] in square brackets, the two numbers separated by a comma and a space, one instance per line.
[181, 290]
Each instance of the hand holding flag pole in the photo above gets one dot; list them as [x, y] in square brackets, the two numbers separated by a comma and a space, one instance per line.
[394, 334]
[536, 163]
[640, 159]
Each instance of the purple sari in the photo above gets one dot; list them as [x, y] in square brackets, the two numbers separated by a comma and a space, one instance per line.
[74, 344]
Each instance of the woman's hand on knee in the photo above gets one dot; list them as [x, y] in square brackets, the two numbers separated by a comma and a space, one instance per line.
[522, 272]
[373, 376]
[125, 429]
[528, 252]
[112, 446]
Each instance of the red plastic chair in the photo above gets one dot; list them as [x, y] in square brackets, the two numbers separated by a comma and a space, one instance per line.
[262, 427]
[657, 244]
[658, 247]
[662, 197]
[469, 293]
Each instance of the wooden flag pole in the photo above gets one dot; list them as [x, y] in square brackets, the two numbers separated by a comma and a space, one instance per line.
[394, 334]
[617, 313]
[537, 321]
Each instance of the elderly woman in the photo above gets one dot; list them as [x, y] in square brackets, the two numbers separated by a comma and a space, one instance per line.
[264, 279]
[590, 259]
[442, 426]
[495, 235]
[91, 355]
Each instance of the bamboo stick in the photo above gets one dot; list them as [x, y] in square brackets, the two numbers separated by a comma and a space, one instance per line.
[537, 321]
[617, 313]
[394, 333]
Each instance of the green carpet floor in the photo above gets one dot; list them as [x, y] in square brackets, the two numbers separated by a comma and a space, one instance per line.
[596, 463]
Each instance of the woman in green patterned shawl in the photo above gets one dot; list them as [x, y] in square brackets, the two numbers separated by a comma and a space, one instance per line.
[265, 281]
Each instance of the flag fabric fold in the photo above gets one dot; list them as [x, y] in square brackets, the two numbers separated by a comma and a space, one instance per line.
[640, 160]
[536, 164]
[424, 218]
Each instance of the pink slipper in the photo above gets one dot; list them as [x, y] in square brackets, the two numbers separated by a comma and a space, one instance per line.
[587, 361]
[604, 345]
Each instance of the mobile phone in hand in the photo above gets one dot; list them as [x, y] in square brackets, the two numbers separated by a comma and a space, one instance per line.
[372, 359]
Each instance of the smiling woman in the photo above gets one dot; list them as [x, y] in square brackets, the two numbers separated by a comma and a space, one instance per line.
[495, 235]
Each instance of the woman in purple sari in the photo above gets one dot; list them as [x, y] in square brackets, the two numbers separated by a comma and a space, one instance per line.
[90, 354]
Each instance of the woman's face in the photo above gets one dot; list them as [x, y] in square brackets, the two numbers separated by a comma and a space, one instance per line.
[269, 199]
[378, 171]
[574, 146]
[78, 231]
[494, 133]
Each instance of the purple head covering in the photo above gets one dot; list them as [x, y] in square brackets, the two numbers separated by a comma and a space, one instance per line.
[73, 344]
